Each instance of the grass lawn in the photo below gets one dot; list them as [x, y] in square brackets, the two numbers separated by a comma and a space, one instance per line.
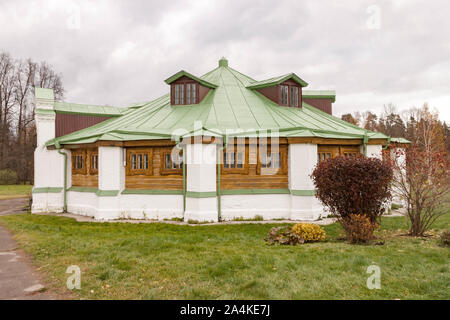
[15, 191]
[163, 261]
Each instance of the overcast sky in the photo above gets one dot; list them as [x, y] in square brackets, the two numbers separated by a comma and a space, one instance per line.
[118, 52]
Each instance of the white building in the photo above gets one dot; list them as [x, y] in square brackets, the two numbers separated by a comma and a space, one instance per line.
[217, 147]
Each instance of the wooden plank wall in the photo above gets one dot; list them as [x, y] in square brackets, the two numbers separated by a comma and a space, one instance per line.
[156, 181]
[87, 179]
[253, 180]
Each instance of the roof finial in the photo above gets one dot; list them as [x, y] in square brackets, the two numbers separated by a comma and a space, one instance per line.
[223, 62]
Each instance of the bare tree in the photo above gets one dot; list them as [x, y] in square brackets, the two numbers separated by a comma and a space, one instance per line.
[422, 180]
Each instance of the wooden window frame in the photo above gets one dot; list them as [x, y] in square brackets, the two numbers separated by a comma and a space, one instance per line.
[281, 89]
[90, 154]
[291, 91]
[168, 171]
[75, 154]
[337, 151]
[234, 148]
[283, 170]
[137, 151]
[184, 84]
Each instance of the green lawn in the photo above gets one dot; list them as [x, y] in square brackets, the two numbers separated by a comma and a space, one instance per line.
[163, 261]
[15, 191]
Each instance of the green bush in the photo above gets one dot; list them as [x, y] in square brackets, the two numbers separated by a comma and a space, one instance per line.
[8, 176]
[395, 206]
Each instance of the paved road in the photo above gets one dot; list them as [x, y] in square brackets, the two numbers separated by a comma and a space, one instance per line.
[18, 280]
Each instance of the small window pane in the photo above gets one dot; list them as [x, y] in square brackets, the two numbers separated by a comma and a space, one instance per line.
[194, 93]
[177, 94]
[133, 162]
[240, 160]
[328, 155]
[188, 93]
[167, 161]
[145, 161]
[181, 94]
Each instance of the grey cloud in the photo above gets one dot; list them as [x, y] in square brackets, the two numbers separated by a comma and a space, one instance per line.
[123, 50]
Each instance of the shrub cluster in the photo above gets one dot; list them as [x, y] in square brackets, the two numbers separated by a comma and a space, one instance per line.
[356, 190]
[299, 233]
[309, 232]
[359, 228]
[8, 176]
[353, 185]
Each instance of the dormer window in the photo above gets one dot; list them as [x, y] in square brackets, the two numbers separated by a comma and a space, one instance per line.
[185, 93]
[289, 95]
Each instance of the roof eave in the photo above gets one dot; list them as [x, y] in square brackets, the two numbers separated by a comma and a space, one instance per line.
[292, 76]
[182, 73]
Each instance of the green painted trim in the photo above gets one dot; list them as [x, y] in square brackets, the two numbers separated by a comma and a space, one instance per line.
[97, 191]
[47, 190]
[196, 194]
[44, 111]
[255, 191]
[303, 193]
[107, 193]
[277, 80]
[83, 189]
[182, 73]
[131, 191]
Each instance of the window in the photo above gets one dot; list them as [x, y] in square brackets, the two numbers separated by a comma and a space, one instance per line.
[79, 162]
[139, 161]
[185, 93]
[294, 96]
[171, 161]
[322, 156]
[284, 95]
[93, 161]
[233, 160]
[272, 161]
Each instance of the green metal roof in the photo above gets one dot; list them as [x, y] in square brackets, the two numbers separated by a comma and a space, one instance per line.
[182, 73]
[319, 94]
[229, 107]
[400, 140]
[43, 93]
[277, 80]
[74, 108]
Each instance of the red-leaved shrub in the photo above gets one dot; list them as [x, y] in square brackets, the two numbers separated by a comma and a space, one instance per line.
[354, 185]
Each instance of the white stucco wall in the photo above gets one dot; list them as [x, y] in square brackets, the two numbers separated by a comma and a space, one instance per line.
[375, 150]
[201, 179]
[302, 160]
[158, 207]
[269, 206]
[48, 164]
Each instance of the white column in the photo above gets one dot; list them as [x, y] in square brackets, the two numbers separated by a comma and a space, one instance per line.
[111, 182]
[201, 197]
[374, 150]
[302, 160]
[48, 164]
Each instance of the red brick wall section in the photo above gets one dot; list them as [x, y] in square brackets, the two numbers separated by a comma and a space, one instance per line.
[68, 123]
[323, 104]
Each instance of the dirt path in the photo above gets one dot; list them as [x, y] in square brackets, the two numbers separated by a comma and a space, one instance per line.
[13, 206]
[18, 279]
